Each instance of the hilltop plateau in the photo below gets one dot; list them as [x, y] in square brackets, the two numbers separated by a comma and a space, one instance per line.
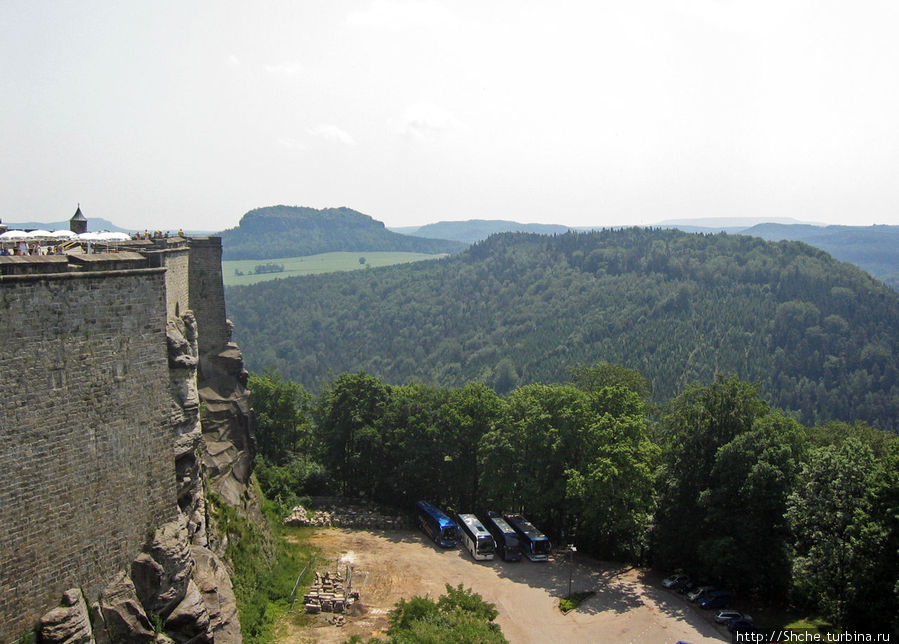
[818, 335]
[291, 231]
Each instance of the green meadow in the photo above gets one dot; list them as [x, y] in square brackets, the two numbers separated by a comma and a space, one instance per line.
[313, 264]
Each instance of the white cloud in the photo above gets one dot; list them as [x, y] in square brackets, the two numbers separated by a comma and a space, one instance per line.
[284, 69]
[292, 144]
[427, 122]
[402, 15]
[331, 133]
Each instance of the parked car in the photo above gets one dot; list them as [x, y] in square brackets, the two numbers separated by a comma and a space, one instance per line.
[699, 593]
[725, 616]
[679, 587]
[674, 581]
[741, 626]
[686, 588]
[715, 599]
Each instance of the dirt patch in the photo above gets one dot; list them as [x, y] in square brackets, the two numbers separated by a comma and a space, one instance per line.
[629, 604]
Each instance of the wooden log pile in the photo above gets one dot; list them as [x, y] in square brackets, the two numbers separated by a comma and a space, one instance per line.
[328, 595]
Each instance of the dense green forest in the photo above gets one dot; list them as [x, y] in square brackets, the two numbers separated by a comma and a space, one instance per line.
[714, 482]
[873, 248]
[821, 337]
[289, 231]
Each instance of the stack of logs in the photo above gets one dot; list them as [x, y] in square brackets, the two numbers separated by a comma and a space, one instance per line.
[328, 595]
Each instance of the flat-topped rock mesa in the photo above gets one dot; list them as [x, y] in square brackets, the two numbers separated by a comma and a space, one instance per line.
[122, 399]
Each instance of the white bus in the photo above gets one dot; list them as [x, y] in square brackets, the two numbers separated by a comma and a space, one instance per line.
[476, 538]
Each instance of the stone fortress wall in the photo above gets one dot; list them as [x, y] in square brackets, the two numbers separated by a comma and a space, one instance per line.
[208, 293]
[93, 413]
[176, 261]
[84, 434]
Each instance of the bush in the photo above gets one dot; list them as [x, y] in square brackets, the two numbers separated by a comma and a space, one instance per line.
[287, 484]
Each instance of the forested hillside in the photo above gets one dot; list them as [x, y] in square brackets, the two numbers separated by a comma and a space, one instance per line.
[819, 336]
[291, 231]
[873, 248]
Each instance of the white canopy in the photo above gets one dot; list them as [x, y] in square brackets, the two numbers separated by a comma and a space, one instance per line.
[88, 237]
[14, 235]
[109, 236]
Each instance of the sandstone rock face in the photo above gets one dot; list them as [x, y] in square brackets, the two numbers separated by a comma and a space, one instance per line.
[181, 334]
[118, 617]
[161, 573]
[229, 440]
[189, 622]
[177, 593]
[69, 623]
[214, 584]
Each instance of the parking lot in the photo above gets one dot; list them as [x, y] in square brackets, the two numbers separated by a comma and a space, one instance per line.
[630, 604]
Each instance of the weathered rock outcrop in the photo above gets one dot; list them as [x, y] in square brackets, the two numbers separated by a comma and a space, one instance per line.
[181, 334]
[228, 450]
[189, 621]
[162, 571]
[214, 583]
[118, 616]
[69, 623]
[176, 592]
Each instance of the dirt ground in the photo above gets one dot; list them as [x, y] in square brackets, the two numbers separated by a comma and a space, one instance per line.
[630, 605]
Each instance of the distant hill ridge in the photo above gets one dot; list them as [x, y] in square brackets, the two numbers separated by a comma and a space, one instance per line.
[475, 230]
[290, 231]
[873, 248]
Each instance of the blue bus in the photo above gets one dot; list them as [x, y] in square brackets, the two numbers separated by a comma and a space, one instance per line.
[437, 525]
[508, 546]
[535, 544]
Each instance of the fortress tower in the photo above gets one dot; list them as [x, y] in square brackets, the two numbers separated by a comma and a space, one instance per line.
[78, 222]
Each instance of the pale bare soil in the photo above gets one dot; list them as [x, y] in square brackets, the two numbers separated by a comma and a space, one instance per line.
[630, 605]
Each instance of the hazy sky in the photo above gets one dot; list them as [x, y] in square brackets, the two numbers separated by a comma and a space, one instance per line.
[189, 113]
